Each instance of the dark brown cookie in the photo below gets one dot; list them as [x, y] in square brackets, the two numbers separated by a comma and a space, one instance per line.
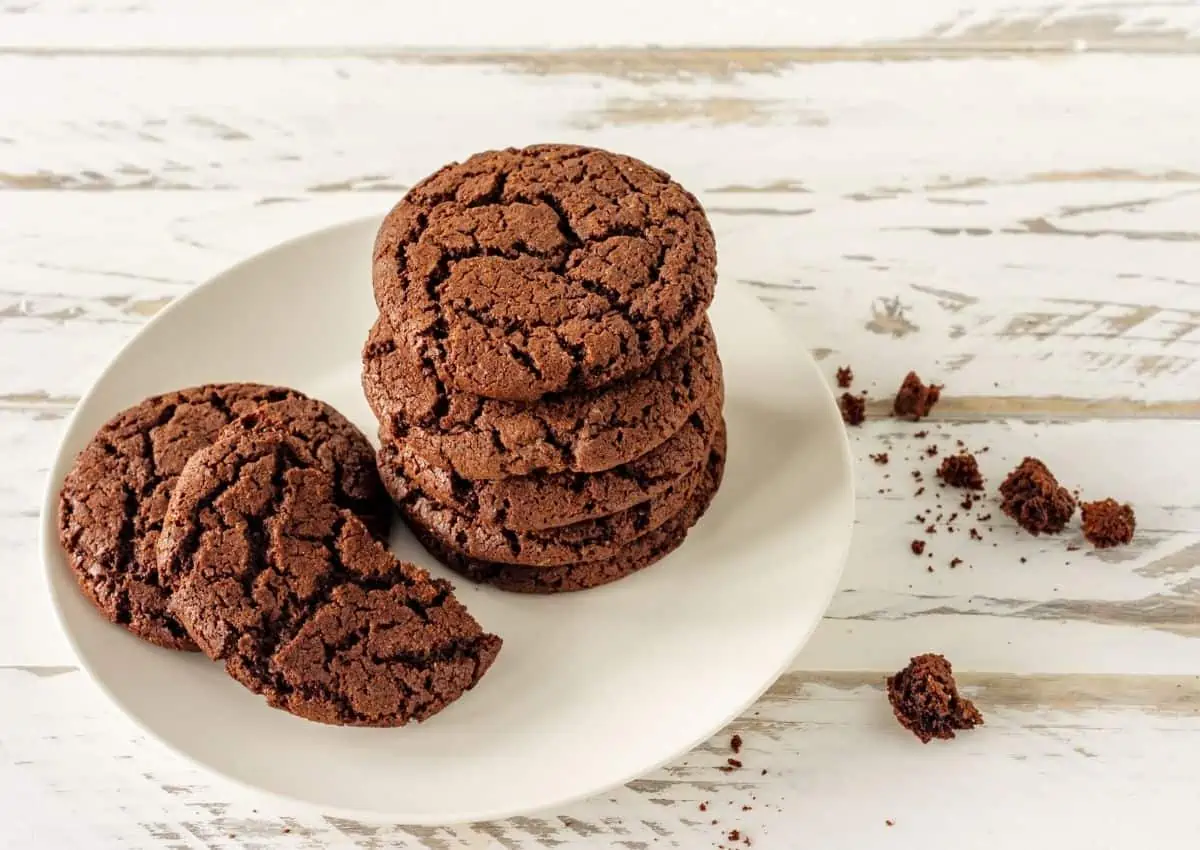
[641, 553]
[302, 605]
[113, 500]
[547, 269]
[482, 438]
[340, 448]
[590, 540]
[537, 502]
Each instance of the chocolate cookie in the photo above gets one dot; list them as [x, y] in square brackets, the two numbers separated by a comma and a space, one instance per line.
[590, 540]
[547, 269]
[536, 502]
[302, 605]
[482, 438]
[638, 555]
[113, 500]
[339, 447]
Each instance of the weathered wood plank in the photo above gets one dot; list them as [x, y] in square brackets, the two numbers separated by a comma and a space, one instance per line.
[822, 739]
[1021, 325]
[373, 24]
[858, 131]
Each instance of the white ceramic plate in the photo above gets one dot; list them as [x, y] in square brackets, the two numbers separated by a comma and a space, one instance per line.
[591, 689]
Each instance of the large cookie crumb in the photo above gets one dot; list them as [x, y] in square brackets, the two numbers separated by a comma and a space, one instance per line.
[1033, 498]
[925, 699]
[961, 470]
[1107, 523]
[915, 399]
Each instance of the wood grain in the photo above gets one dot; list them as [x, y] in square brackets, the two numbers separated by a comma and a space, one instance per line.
[1002, 194]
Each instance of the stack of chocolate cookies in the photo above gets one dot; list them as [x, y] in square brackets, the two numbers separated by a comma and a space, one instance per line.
[543, 371]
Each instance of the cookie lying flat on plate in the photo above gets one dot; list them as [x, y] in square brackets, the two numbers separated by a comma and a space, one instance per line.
[298, 600]
[113, 500]
[482, 438]
[641, 553]
[590, 540]
[552, 268]
[537, 502]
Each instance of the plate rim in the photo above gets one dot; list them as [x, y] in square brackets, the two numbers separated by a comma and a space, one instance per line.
[48, 544]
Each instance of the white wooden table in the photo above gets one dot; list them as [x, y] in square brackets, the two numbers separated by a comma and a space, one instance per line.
[1001, 194]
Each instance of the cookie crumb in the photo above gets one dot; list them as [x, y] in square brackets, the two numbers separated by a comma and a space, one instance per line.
[915, 399]
[920, 490]
[975, 535]
[1107, 523]
[734, 835]
[926, 701]
[734, 763]
[961, 470]
[917, 546]
[881, 458]
[921, 435]
[890, 822]
[764, 772]
[854, 409]
[931, 451]
[704, 807]
[845, 376]
[735, 744]
[954, 562]
[1033, 497]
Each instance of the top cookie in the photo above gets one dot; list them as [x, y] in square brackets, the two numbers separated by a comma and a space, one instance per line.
[545, 269]
[114, 498]
[297, 599]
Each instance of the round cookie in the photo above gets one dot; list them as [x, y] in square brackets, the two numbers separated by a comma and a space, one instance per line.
[547, 269]
[114, 498]
[297, 598]
[638, 555]
[590, 540]
[537, 502]
[593, 431]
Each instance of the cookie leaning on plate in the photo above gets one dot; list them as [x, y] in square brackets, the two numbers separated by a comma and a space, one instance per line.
[592, 431]
[114, 498]
[547, 269]
[297, 599]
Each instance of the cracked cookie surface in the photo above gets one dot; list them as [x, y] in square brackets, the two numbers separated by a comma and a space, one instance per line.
[641, 553]
[537, 502]
[591, 431]
[113, 500]
[274, 578]
[546, 269]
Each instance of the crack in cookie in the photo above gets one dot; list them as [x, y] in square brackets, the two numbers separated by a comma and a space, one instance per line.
[548, 269]
[291, 591]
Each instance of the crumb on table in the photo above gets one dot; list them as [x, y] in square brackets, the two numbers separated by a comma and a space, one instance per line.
[854, 409]
[915, 399]
[925, 699]
[961, 470]
[1033, 498]
[1107, 523]
[845, 376]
